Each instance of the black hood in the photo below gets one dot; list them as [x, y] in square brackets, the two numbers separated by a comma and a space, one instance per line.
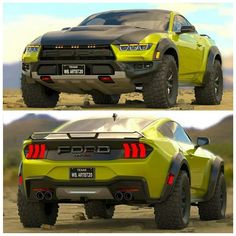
[103, 35]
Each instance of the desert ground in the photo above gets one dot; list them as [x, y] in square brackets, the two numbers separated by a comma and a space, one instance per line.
[138, 219]
[12, 100]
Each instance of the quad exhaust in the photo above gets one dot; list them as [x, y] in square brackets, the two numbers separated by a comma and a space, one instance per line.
[119, 196]
[42, 195]
[48, 195]
[127, 196]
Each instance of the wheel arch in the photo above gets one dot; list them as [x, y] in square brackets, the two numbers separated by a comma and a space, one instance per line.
[185, 167]
[213, 54]
[179, 163]
[167, 47]
[217, 168]
[218, 58]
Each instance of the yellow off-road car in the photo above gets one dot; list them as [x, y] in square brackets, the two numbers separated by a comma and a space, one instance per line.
[104, 162]
[115, 52]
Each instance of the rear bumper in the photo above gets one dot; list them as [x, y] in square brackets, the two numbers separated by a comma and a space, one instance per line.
[126, 75]
[82, 191]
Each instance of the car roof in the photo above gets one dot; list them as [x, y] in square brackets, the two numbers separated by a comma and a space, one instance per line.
[135, 10]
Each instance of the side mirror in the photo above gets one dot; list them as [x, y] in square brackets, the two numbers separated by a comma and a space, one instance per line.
[66, 28]
[186, 29]
[201, 141]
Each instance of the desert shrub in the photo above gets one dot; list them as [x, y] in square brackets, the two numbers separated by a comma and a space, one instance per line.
[12, 158]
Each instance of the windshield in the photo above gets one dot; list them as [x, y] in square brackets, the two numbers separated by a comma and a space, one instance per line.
[107, 125]
[154, 20]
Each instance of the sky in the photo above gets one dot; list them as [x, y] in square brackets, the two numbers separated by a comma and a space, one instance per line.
[199, 119]
[23, 22]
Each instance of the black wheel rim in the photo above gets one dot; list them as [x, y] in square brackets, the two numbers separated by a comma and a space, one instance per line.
[170, 81]
[217, 84]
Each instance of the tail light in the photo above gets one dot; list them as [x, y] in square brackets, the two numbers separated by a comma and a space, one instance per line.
[136, 150]
[35, 151]
[170, 179]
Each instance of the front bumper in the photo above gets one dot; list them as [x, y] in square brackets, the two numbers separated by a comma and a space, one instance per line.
[126, 75]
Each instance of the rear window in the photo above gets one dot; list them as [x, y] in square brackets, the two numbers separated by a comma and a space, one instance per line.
[107, 125]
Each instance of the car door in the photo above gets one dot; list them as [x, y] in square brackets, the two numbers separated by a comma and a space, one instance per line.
[189, 49]
[198, 159]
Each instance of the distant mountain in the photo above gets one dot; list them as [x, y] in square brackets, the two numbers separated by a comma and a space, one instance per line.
[221, 138]
[218, 133]
[12, 74]
[33, 116]
[18, 130]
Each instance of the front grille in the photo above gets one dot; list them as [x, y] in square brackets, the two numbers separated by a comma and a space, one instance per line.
[84, 52]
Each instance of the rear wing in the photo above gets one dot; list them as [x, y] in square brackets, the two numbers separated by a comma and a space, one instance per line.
[85, 135]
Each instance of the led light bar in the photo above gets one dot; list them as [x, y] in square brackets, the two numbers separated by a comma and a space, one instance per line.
[135, 47]
[30, 49]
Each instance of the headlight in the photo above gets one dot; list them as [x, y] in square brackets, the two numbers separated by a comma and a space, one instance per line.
[31, 53]
[135, 47]
[32, 49]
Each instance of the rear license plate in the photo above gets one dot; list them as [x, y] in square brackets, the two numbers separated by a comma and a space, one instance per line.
[73, 69]
[82, 173]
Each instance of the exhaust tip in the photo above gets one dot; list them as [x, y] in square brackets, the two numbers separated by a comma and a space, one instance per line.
[119, 196]
[40, 195]
[128, 196]
[48, 195]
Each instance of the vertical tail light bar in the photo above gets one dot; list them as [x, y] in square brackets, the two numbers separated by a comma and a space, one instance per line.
[142, 150]
[135, 150]
[35, 151]
[127, 150]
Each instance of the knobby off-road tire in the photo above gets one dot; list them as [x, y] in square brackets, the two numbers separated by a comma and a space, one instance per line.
[98, 209]
[162, 90]
[214, 209]
[37, 95]
[212, 91]
[34, 214]
[174, 212]
[100, 98]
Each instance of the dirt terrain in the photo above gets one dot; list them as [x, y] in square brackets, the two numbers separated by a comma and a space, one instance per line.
[126, 219]
[12, 100]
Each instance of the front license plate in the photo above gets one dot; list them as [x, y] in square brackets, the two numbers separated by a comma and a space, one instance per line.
[73, 69]
[82, 173]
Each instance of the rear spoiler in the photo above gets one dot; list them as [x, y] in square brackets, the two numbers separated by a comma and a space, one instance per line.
[84, 135]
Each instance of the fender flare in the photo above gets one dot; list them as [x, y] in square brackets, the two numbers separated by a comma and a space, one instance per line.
[178, 162]
[212, 54]
[216, 168]
[20, 173]
[164, 45]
